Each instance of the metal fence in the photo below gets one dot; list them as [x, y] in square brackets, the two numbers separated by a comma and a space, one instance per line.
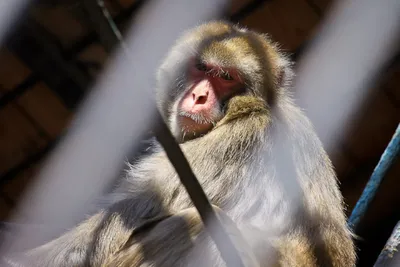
[105, 113]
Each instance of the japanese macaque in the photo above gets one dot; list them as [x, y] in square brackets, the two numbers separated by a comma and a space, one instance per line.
[223, 90]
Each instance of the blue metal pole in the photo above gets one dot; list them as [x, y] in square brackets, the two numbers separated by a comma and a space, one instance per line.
[387, 159]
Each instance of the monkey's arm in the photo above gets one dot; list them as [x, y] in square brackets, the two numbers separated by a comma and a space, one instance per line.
[166, 240]
[100, 236]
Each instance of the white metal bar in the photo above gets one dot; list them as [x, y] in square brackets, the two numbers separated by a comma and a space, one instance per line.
[10, 11]
[109, 122]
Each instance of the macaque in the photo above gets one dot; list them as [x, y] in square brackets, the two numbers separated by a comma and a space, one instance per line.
[224, 92]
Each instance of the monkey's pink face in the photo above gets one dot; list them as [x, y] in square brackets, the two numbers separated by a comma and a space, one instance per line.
[208, 86]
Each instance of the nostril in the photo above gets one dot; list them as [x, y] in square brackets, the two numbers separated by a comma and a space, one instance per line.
[201, 99]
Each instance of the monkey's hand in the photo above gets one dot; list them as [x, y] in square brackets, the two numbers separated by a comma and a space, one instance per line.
[243, 106]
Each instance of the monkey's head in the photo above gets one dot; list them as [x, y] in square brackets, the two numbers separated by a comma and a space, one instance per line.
[216, 71]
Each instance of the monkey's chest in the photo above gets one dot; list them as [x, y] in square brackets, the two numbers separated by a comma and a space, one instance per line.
[261, 205]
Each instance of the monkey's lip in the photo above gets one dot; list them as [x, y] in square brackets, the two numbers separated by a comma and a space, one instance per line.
[189, 123]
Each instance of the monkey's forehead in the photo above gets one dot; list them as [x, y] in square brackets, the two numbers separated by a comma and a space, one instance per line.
[230, 48]
[227, 45]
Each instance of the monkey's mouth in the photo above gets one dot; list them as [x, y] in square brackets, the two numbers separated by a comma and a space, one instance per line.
[196, 123]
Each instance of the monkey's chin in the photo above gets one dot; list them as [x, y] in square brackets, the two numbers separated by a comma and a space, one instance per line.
[192, 129]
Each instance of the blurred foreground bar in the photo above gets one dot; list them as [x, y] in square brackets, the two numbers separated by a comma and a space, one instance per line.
[390, 255]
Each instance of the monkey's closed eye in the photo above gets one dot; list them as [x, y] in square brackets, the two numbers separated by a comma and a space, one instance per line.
[201, 66]
[226, 76]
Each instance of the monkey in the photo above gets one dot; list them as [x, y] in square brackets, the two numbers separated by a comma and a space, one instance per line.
[224, 91]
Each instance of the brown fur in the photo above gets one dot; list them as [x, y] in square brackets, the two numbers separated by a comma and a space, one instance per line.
[262, 165]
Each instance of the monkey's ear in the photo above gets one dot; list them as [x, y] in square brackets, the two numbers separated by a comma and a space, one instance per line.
[284, 74]
[280, 62]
